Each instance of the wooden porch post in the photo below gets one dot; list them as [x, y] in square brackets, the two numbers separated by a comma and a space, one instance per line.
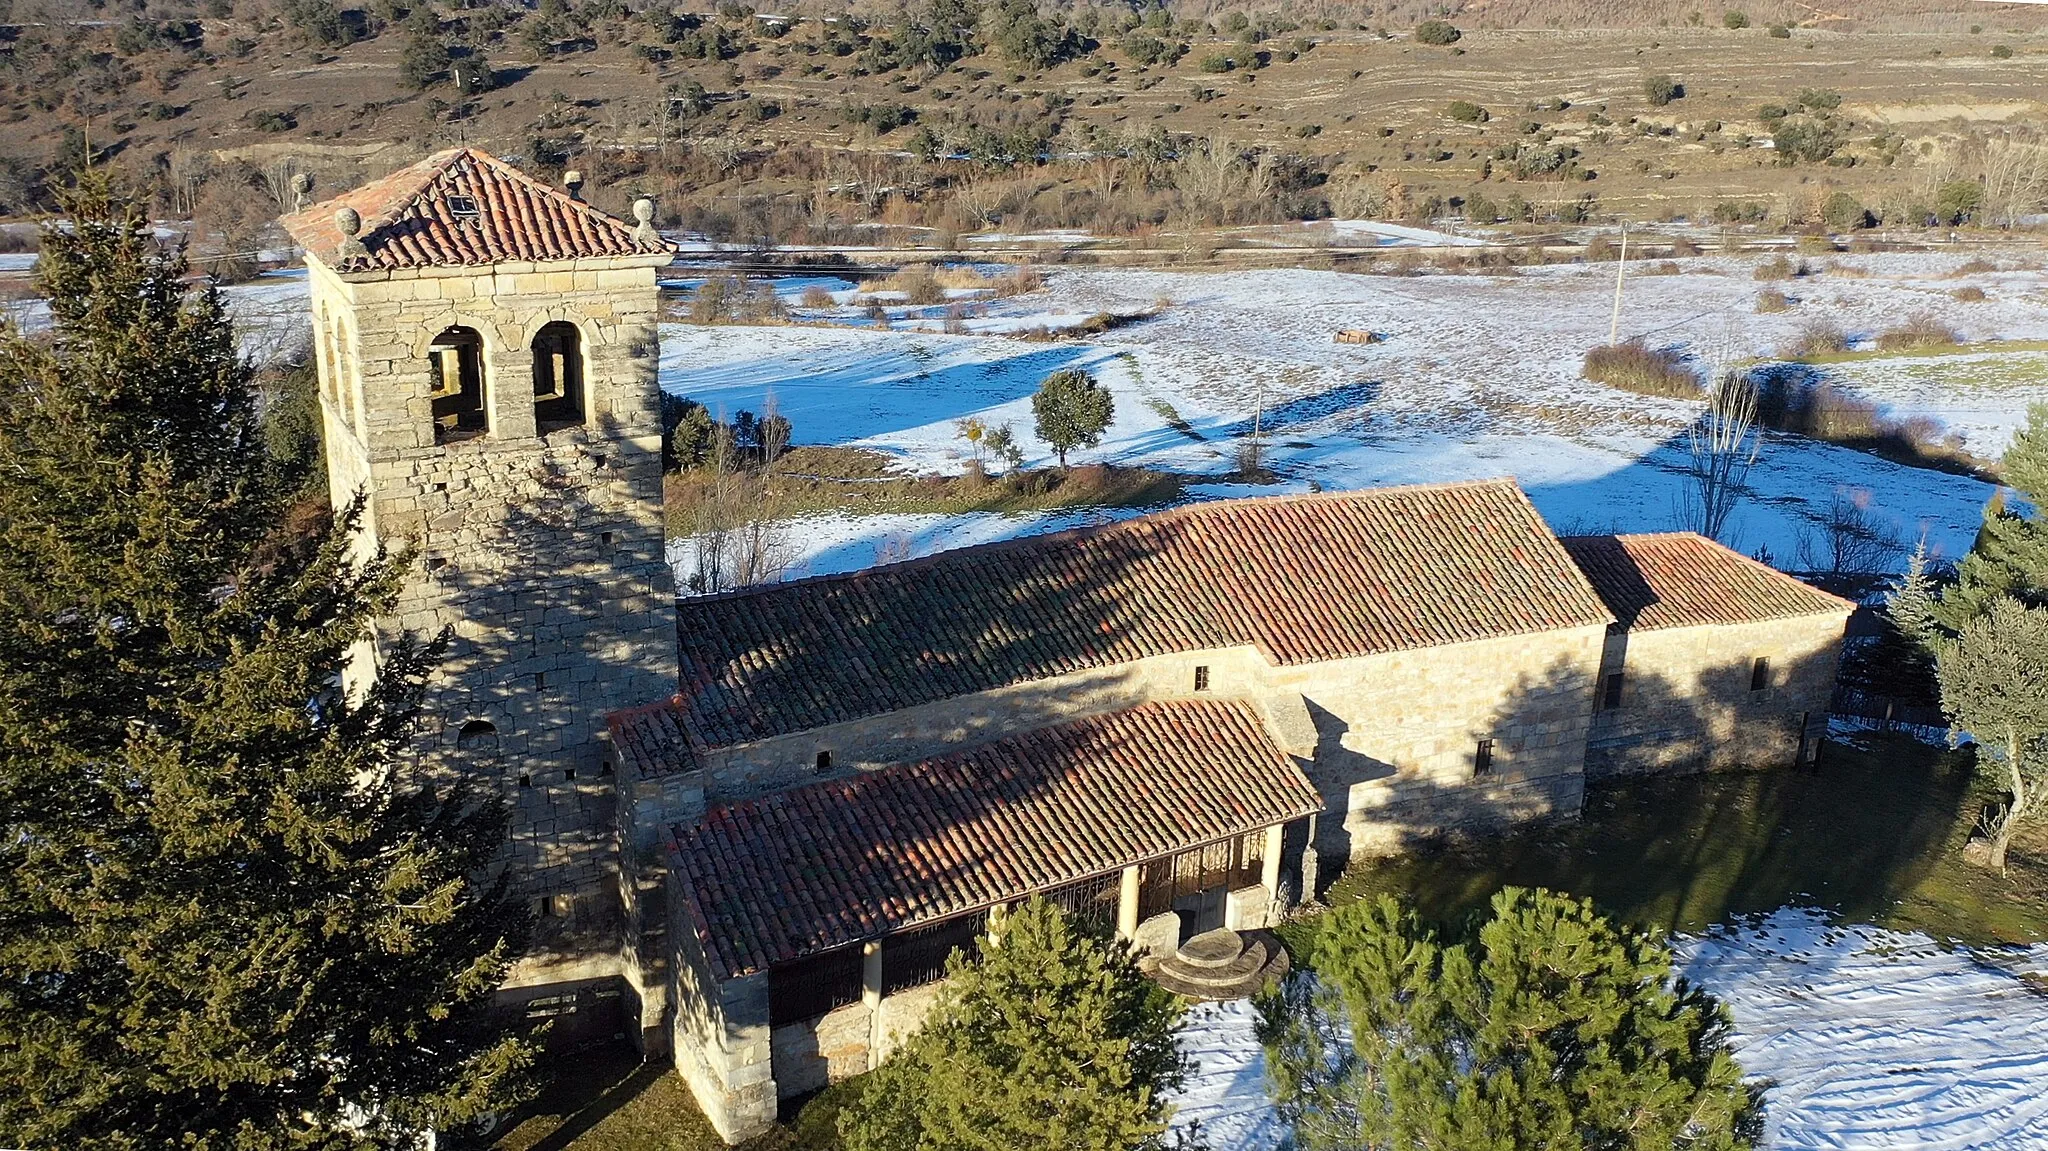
[1127, 904]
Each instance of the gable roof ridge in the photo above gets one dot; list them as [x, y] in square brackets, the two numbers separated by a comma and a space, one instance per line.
[433, 169]
[1192, 509]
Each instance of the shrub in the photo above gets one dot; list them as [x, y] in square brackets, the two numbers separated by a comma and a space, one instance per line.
[1634, 366]
[1055, 1038]
[1970, 295]
[817, 296]
[1771, 301]
[1466, 112]
[1817, 338]
[1780, 32]
[1214, 62]
[1776, 268]
[1547, 1018]
[1437, 33]
[1071, 411]
[2001, 52]
[1820, 99]
[1661, 90]
[1844, 213]
[1797, 399]
[1920, 330]
[1733, 20]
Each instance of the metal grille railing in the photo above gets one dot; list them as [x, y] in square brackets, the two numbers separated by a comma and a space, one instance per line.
[917, 957]
[811, 987]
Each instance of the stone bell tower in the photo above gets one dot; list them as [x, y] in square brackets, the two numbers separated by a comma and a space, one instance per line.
[487, 349]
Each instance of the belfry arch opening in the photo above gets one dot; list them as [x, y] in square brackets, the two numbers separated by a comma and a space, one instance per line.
[558, 377]
[458, 358]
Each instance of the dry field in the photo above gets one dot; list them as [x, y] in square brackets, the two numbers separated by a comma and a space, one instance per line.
[1912, 77]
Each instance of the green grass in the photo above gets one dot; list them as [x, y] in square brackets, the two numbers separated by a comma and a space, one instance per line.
[1875, 836]
[1973, 349]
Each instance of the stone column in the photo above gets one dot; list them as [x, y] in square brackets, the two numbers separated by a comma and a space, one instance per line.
[1269, 864]
[871, 997]
[1127, 904]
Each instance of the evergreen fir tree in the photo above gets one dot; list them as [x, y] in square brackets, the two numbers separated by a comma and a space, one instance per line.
[1552, 1029]
[1071, 411]
[223, 922]
[1052, 1039]
[2010, 555]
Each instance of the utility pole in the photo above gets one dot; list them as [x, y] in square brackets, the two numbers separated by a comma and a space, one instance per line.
[1614, 325]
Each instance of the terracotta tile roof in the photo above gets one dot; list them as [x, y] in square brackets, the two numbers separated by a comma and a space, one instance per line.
[1303, 579]
[462, 207]
[651, 740]
[1680, 579]
[802, 871]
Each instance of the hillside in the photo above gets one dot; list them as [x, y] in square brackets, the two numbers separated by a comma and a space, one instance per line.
[757, 128]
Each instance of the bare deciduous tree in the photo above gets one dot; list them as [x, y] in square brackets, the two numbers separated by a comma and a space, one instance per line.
[1722, 445]
[1851, 539]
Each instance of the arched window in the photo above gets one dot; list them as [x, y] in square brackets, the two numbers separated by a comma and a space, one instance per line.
[458, 359]
[478, 735]
[557, 377]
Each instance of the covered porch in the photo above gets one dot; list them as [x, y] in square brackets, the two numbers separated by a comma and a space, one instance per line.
[814, 924]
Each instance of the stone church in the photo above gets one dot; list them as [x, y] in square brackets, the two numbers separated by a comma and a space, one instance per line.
[754, 824]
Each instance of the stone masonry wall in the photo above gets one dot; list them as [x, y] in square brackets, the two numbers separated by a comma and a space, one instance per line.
[1396, 733]
[543, 556]
[1686, 703]
[1400, 733]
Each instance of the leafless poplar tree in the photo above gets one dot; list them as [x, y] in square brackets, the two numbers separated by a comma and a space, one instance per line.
[1722, 446]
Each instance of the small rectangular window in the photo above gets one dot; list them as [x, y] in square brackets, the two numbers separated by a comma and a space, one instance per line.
[1202, 677]
[1482, 758]
[824, 760]
[1610, 692]
[1760, 674]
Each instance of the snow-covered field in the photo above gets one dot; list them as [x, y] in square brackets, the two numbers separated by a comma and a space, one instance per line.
[1866, 1038]
[1478, 376]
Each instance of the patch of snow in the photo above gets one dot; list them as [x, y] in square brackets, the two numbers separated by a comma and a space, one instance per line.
[1477, 377]
[835, 543]
[1225, 1098]
[1866, 1039]
[1882, 1039]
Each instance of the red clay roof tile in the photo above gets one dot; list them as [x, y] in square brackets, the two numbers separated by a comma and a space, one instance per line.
[409, 219]
[803, 871]
[1303, 579]
[1680, 579]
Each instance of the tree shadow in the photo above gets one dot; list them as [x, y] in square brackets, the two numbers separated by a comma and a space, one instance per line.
[1861, 834]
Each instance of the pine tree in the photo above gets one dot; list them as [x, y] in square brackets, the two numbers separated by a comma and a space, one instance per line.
[1052, 1039]
[1551, 1029]
[1072, 411]
[2010, 555]
[223, 922]
[1994, 684]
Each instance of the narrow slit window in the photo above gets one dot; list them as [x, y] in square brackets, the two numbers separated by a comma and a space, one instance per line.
[1760, 674]
[1482, 758]
[1610, 692]
[557, 377]
[458, 398]
[1202, 677]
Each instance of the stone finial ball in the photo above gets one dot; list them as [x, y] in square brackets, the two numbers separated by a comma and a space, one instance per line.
[348, 220]
[302, 182]
[571, 178]
[643, 210]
